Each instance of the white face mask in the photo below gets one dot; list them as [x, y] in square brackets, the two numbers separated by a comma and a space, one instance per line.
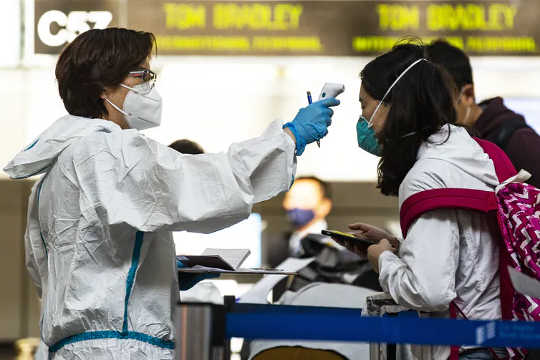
[142, 111]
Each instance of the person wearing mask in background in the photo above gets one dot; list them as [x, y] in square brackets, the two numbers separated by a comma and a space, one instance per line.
[490, 119]
[408, 111]
[98, 241]
[307, 205]
[186, 146]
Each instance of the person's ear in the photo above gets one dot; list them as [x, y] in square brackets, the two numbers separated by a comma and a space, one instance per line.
[467, 95]
[325, 207]
[105, 93]
[285, 203]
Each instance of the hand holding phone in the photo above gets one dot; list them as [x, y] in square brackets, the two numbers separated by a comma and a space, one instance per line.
[373, 233]
[342, 236]
[352, 243]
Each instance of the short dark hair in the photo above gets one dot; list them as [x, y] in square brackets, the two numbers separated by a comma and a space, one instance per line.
[325, 187]
[96, 59]
[453, 59]
[186, 146]
[422, 102]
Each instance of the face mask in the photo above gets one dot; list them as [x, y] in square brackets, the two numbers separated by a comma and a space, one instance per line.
[142, 111]
[300, 217]
[364, 128]
[366, 137]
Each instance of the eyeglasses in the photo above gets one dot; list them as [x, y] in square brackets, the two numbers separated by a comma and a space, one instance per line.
[148, 77]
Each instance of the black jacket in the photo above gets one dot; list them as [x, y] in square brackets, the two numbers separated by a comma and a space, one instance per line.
[511, 133]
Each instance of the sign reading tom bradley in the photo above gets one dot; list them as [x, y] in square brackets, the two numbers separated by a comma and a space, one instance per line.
[329, 28]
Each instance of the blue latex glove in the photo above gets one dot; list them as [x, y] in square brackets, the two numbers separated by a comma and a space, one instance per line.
[187, 281]
[311, 123]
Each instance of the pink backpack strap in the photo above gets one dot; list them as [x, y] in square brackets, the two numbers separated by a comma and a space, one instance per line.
[428, 200]
[480, 200]
[503, 166]
[504, 169]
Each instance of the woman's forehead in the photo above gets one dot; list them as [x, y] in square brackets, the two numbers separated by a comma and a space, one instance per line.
[363, 94]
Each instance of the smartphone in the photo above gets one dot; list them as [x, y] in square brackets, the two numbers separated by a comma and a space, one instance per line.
[345, 237]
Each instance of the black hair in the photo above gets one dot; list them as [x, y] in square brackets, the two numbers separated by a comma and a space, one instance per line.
[186, 146]
[453, 59]
[422, 101]
[326, 189]
[95, 59]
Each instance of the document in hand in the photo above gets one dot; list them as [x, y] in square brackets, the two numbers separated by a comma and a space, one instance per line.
[221, 261]
[226, 259]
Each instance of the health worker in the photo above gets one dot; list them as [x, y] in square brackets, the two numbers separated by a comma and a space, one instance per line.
[98, 241]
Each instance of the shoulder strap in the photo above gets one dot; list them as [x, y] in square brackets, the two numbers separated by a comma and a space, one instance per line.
[428, 200]
[478, 200]
[503, 166]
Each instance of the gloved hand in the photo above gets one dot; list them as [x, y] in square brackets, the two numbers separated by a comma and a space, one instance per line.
[187, 281]
[311, 123]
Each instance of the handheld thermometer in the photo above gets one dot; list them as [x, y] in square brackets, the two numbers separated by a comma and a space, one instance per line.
[330, 90]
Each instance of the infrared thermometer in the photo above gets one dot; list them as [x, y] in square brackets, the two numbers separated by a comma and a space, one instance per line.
[330, 90]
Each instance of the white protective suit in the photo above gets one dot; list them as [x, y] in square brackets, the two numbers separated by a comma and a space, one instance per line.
[98, 242]
[447, 253]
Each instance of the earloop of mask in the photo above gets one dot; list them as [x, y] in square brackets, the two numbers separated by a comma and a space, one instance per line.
[130, 88]
[370, 122]
[116, 107]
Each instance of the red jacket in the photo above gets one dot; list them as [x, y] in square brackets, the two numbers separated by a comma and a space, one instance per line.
[509, 130]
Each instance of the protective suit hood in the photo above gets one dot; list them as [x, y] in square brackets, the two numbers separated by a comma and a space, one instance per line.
[37, 157]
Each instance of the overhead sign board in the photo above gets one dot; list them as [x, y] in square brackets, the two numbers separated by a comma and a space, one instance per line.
[328, 28]
[58, 22]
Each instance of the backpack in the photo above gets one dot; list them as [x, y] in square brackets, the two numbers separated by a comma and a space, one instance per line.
[514, 212]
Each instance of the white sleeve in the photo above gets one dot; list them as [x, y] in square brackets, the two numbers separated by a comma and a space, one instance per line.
[423, 276]
[150, 186]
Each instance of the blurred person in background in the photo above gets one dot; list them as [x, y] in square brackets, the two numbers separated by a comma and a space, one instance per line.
[98, 242]
[307, 205]
[490, 119]
[186, 146]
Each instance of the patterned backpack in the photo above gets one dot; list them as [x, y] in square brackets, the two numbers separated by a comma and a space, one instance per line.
[514, 209]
